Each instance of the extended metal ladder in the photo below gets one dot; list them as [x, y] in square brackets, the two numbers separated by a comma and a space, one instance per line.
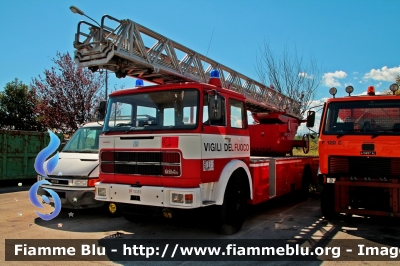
[121, 49]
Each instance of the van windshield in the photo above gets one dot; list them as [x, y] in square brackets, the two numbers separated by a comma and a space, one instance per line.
[84, 140]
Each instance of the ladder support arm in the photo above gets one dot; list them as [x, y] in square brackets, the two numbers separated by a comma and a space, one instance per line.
[120, 48]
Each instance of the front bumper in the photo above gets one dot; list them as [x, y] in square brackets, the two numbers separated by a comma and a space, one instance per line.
[73, 198]
[150, 196]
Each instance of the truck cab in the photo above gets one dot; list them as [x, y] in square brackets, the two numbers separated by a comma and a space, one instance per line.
[170, 147]
[359, 158]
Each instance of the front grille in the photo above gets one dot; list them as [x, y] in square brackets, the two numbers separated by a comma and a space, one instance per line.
[137, 169]
[154, 157]
[141, 163]
[61, 194]
[373, 167]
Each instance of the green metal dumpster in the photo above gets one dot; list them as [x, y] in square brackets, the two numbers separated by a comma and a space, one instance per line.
[18, 151]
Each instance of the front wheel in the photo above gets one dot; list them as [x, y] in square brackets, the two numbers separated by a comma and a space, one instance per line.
[328, 202]
[232, 212]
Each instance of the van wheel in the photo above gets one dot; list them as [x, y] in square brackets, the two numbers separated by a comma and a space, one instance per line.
[112, 209]
[328, 202]
[233, 210]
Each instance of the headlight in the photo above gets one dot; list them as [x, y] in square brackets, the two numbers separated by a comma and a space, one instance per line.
[101, 191]
[182, 198]
[39, 178]
[330, 180]
[177, 198]
[78, 182]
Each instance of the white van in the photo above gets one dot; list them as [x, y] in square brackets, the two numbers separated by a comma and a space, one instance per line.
[78, 170]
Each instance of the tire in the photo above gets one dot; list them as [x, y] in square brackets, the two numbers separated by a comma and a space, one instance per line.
[232, 212]
[112, 209]
[304, 192]
[328, 202]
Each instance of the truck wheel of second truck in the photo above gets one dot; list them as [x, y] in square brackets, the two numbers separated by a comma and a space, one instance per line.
[328, 203]
[233, 209]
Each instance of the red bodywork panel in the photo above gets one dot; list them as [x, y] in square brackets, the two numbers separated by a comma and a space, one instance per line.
[274, 136]
[274, 177]
[270, 139]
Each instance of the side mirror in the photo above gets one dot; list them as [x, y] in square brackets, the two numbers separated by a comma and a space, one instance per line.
[310, 119]
[102, 110]
[214, 107]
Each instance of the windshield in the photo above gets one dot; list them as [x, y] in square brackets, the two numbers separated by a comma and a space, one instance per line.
[84, 140]
[363, 117]
[160, 110]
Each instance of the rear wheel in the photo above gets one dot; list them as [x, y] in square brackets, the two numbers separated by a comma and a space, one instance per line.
[304, 192]
[232, 212]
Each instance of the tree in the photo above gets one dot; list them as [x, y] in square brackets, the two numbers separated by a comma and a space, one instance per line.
[289, 74]
[398, 83]
[68, 96]
[16, 107]
[389, 92]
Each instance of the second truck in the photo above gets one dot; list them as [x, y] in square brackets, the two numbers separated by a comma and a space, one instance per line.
[359, 154]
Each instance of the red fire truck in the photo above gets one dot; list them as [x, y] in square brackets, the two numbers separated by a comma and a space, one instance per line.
[359, 158]
[186, 143]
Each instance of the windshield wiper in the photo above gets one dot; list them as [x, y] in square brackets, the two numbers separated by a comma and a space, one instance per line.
[87, 151]
[384, 132]
[124, 124]
[131, 129]
[346, 132]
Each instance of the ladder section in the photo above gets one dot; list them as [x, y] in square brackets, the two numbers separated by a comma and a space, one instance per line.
[120, 47]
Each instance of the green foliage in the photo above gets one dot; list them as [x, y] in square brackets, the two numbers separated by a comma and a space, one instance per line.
[313, 147]
[16, 107]
[388, 92]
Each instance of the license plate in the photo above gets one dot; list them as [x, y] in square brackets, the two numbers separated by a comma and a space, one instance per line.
[368, 153]
[135, 191]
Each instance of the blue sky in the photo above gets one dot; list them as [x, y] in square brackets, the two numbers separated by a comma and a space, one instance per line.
[355, 42]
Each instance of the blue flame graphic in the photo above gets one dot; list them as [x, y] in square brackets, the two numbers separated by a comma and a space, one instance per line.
[39, 167]
[35, 201]
[45, 153]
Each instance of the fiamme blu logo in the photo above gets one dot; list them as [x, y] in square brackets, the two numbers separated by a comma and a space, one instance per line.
[50, 166]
